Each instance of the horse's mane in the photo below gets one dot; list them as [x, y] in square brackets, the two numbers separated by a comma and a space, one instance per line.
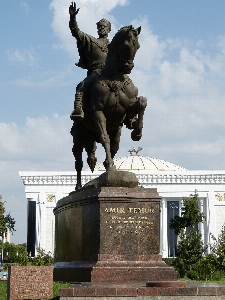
[112, 63]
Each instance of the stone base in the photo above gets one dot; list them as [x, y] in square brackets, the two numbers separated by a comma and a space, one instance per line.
[109, 234]
[166, 290]
[114, 271]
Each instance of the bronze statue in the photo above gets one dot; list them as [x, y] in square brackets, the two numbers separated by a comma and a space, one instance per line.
[110, 100]
[92, 53]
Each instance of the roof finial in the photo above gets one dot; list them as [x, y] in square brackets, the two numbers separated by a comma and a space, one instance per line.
[134, 151]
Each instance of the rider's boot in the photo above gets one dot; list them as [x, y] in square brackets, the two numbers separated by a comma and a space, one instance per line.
[77, 114]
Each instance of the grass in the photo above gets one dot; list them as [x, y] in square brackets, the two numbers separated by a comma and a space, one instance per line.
[56, 286]
[221, 281]
[3, 289]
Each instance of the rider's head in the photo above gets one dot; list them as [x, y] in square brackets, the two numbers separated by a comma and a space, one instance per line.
[104, 27]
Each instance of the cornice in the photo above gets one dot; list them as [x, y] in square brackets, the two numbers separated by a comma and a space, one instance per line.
[146, 179]
[181, 178]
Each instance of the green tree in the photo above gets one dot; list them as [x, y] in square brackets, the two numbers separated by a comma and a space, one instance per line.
[15, 254]
[190, 215]
[217, 247]
[7, 223]
[190, 247]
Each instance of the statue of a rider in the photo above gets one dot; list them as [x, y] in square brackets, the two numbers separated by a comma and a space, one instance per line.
[92, 51]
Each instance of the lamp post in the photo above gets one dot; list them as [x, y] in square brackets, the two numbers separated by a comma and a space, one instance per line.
[173, 206]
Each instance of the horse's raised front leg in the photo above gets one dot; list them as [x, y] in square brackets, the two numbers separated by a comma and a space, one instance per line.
[100, 122]
[136, 134]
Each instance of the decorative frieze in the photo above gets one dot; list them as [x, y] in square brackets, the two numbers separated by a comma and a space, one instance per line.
[144, 179]
[181, 178]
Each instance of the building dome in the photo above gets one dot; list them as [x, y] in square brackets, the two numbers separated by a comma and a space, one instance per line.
[137, 162]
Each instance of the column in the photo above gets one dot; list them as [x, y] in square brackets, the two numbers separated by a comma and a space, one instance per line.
[163, 229]
[40, 221]
[201, 225]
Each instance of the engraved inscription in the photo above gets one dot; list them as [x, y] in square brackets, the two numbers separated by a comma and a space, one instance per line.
[130, 220]
[121, 210]
[30, 282]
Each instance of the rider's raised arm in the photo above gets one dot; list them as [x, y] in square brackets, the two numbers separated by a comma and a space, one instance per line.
[73, 22]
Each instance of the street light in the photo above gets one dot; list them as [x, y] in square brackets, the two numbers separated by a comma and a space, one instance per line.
[173, 206]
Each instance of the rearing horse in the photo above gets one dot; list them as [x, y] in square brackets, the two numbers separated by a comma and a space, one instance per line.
[110, 101]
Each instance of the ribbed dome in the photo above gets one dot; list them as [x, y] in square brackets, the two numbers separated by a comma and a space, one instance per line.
[141, 163]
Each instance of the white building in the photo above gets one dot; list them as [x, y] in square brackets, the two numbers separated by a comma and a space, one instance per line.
[44, 189]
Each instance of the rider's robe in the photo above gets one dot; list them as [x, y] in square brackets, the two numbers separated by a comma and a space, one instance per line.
[92, 51]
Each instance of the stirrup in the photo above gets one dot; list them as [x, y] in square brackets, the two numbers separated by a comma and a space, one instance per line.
[77, 116]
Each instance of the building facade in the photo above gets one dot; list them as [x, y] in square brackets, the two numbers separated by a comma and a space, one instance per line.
[44, 189]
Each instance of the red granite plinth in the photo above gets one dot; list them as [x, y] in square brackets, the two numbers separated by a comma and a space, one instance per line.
[114, 271]
[175, 289]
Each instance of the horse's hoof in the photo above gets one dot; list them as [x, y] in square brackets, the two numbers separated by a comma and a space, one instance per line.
[136, 136]
[111, 168]
[108, 165]
[92, 163]
[78, 187]
[143, 102]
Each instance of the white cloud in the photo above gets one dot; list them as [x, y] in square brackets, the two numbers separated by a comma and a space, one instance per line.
[25, 6]
[42, 139]
[40, 144]
[21, 56]
[46, 81]
[152, 49]
[60, 23]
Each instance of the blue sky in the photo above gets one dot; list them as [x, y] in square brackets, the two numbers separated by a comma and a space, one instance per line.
[180, 68]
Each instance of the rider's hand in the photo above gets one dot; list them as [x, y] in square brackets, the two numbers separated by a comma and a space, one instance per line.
[72, 10]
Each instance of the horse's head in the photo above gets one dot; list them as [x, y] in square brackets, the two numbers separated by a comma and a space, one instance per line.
[129, 48]
[122, 51]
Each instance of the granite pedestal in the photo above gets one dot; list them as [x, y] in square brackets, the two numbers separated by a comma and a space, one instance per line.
[109, 233]
[107, 244]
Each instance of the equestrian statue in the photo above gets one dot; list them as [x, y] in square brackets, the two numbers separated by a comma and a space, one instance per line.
[107, 98]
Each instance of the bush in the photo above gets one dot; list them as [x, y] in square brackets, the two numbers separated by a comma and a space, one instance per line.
[168, 261]
[206, 267]
[179, 265]
[42, 258]
[193, 275]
